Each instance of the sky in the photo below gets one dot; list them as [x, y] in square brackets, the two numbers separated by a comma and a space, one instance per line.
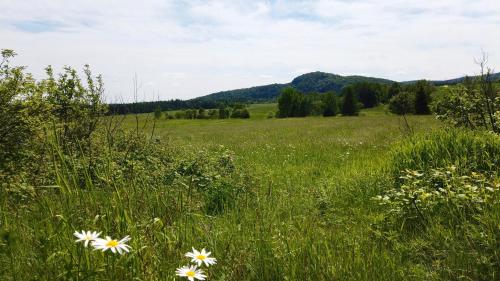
[184, 49]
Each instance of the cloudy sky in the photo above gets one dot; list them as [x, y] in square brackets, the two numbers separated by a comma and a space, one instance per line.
[184, 49]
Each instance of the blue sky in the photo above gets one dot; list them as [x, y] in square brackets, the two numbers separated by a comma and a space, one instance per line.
[184, 49]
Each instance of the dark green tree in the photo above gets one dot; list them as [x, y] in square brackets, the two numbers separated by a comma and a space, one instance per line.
[349, 103]
[367, 93]
[330, 107]
[394, 89]
[422, 97]
[286, 102]
[292, 103]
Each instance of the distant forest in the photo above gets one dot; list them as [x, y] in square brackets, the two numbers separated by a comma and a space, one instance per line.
[315, 82]
[151, 106]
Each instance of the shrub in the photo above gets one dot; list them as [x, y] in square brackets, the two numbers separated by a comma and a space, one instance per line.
[223, 113]
[440, 193]
[463, 106]
[213, 114]
[475, 104]
[444, 207]
[244, 114]
[240, 113]
[402, 103]
[236, 113]
[180, 115]
[447, 221]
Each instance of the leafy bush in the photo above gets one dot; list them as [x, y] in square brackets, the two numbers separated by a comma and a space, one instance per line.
[442, 213]
[223, 113]
[475, 104]
[440, 193]
[446, 221]
[402, 103]
[240, 113]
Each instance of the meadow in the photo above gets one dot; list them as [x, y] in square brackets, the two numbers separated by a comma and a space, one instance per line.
[306, 210]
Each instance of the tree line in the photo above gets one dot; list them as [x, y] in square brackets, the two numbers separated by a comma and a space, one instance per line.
[223, 112]
[151, 106]
[402, 99]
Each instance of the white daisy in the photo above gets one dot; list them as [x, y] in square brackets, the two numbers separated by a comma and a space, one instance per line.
[192, 272]
[201, 257]
[112, 244]
[86, 237]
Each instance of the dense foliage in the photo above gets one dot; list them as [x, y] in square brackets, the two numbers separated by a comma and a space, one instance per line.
[412, 98]
[349, 102]
[293, 103]
[402, 103]
[446, 189]
[475, 104]
[236, 111]
[330, 104]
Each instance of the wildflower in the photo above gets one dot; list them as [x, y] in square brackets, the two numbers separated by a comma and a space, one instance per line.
[86, 237]
[192, 272]
[112, 244]
[201, 257]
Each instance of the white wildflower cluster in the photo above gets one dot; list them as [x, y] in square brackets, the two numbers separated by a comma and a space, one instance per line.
[425, 192]
[192, 272]
[114, 245]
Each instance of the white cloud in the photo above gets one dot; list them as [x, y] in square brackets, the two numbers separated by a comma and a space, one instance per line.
[184, 49]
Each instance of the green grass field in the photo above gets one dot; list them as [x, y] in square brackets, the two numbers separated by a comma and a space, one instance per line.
[315, 178]
[309, 218]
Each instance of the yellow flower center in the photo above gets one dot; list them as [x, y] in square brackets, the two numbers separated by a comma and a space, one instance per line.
[112, 243]
[190, 273]
[201, 257]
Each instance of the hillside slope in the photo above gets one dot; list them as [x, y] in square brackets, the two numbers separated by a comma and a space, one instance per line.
[307, 83]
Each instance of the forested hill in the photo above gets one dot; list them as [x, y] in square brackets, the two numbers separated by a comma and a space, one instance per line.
[314, 82]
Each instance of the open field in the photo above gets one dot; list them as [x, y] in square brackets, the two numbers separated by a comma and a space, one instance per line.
[307, 214]
[222, 140]
[314, 178]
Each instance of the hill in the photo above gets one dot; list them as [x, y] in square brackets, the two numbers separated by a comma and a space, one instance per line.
[308, 83]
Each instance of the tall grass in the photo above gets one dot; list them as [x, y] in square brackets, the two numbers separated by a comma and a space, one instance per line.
[475, 150]
[306, 212]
